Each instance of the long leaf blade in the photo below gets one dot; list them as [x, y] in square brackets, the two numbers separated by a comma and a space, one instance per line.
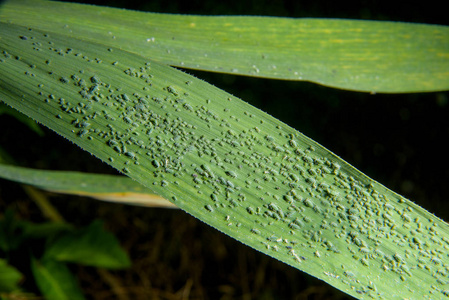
[120, 189]
[227, 163]
[388, 57]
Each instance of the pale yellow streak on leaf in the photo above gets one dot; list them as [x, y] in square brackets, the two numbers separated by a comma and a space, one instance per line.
[147, 200]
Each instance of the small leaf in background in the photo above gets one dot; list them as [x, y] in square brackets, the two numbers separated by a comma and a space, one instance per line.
[55, 281]
[11, 231]
[9, 277]
[92, 246]
[43, 230]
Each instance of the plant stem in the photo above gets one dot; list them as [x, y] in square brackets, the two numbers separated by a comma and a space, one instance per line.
[44, 204]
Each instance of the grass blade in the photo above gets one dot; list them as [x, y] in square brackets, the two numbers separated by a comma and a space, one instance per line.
[383, 57]
[118, 189]
[227, 163]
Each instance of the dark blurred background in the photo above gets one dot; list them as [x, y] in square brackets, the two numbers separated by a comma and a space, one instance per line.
[398, 140]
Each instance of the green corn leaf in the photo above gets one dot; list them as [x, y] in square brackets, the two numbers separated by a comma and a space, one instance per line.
[119, 189]
[228, 164]
[370, 56]
[92, 246]
[55, 281]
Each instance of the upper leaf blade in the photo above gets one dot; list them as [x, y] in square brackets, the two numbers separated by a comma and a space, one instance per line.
[227, 163]
[382, 57]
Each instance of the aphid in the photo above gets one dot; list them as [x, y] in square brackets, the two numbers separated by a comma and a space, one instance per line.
[256, 231]
[231, 173]
[294, 226]
[293, 143]
[273, 207]
[250, 210]
[187, 106]
[206, 168]
[294, 177]
[235, 143]
[125, 97]
[296, 257]
[364, 250]
[83, 132]
[95, 79]
[172, 90]
[131, 154]
[274, 239]
[308, 202]
[209, 208]
[349, 274]
[312, 172]
[288, 198]
[269, 138]
[406, 218]
[397, 257]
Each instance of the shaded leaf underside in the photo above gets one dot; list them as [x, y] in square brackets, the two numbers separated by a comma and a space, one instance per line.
[227, 163]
